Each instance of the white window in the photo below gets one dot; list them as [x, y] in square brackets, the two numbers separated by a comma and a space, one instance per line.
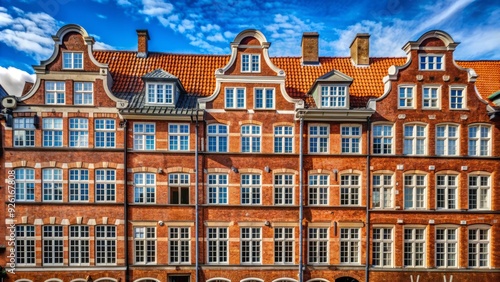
[104, 133]
[84, 93]
[382, 191]
[235, 98]
[217, 135]
[264, 98]
[218, 245]
[414, 247]
[105, 187]
[79, 241]
[72, 60]
[447, 140]
[283, 245]
[78, 132]
[52, 132]
[250, 63]
[414, 139]
[349, 190]
[349, 245]
[457, 98]
[25, 245]
[430, 97]
[250, 189]
[144, 188]
[446, 247]
[431, 62]
[53, 245]
[24, 132]
[283, 139]
[55, 92]
[25, 184]
[334, 97]
[382, 247]
[178, 137]
[250, 139]
[160, 93]
[145, 245]
[283, 189]
[446, 191]
[78, 185]
[406, 97]
[479, 140]
[479, 247]
[479, 192]
[105, 245]
[178, 184]
[217, 189]
[415, 186]
[179, 245]
[318, 189]
[351, 139]
[317, 245]
[318, 138]
[52, 184]
[144, 136]
[382, 139]
[251, 245]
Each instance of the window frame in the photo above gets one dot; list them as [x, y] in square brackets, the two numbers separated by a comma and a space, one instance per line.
[414, 195]
[460, 100]
[350, 191]
[430, 98]
[315, 140]
[27, 181]
[108, 134]
[408, 98]
[481, 252]
[152, 98]
[52, 185]
[384, 146]
[348, 243]
[251, 189]
[217, 136]
[52, 132]
[221, 191]
[447, 140]
[254, 245]
[318, 190]
[78, 179]
[446, 241]
[177, 244]
[351, 143]
[287, 187]
[78, 132]
[479, 202]
[181, 181]
[145, 190]
[425, 66]
[52, 234]
[24, 132]
[383, 186]
[25, 245]
[178, 137]
[415, 139]
[284, 245]
[219, 243]
[251, 63]
[382, 247]
[251, 138]
[318, 245]
[144, 137]
[107, 185]
[149, 245]
[233, 100]
[107, 243]
[55, 94]
[72, 60]
[82, 92]
[477, 150]
[283, 139]
[79, 245]
[447, 196]
[267, 94]
[334, 96]
[412, 244]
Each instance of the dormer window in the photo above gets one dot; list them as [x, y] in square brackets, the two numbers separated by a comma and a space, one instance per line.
[160, 93]
[431, 62]
[72, 60]
[334, 96]
[250, 63]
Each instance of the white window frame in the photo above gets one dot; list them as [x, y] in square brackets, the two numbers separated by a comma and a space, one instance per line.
[446, 191]
[250, 63]
[384, 138]
[105, 129]
[350, 245]
[479, 145]
[217, 245]
[284, 245]
[25, 183]
[429, 100]
[284, 189]
[72, 62]
[319, 190]
[105, 182]
[25, 245]
[447, 139]
[52, 132]
[78, 185]
[179, 182]
[79, 245]
[144, 134]
[55, 92]
[218, 137]
[78, 132]
[251, 189]
[319, 138]
[406, 97]
[479, 243]
[251, 138]
[424, 62]
[417, 141]
[479, 193]
[83, 93]
[53, 245]
[318, 245]
[105, 245]
[251, 245]
[52, 185]
[383, 246]
[160, 93]
[350, 139]
[458, 102]
[418, 200]
[144, 188]
[350, 190]
[178, 136]
[218, 189]
[264, 95]
[447, 242]
[414, 246]
[383, 186]
[235, 98]
[179, 245]
[334, 96]
[284, 139]
[24, 132]
[145, 245]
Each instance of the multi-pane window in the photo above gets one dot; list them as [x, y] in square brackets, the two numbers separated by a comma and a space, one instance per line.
[24, 132]
[104, 133]
[217, 188]
[414, 247]
[54, 92]
[283, 189]
[250, 189]
[479, 192]
[144, 136]
[334, 96]
[144, 188]
[382, 139]
[349, 190]
[160, 93]
[382, 191]
[264, 98]
[318, 139]
[178, 137]
[218, 245]
[251, 245]
[414, 189]
[25, 184]
[179, 245]
[317, 245]
[430, 97]
[25, 245]
[235, 98]
[479, 247]
[446, 191]
[145, 245]
[53, 245]
[318, 189]
[446, 247]
[406, 98]
[457, 98]
[250, 139]
[105, 245]
[52, 132]
[78, 185]
[431, 62]
[283, 245]
[414, 139]
[84, 92]
[78, 132]
[250, 63]
[447, 140]
[349, 245]
[351, 139]
[283, 139]
[105, 187]
[479, 140]
[217, 135]
[52, 184]
[178, 185]
[382, 247]
[79, 241]
[72, 60]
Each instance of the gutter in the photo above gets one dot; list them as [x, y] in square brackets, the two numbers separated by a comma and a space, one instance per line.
[125, 200]
[368, 188]
[197, 231]
[301, 202]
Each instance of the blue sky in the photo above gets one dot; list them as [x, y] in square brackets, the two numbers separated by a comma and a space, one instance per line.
[208, 26]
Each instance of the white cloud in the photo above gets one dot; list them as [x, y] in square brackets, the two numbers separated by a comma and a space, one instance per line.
[156, 8]
[185, 25]
[5, 18]
[13, 80]
[101, 16]
[441, 15]
[103, 46]
[216, 37]
[123, 3]
[229, 35]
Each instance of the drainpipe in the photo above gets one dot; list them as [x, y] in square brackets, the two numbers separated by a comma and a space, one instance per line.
[368, 188]
[125, 200]
[196, 196]
[301, 203]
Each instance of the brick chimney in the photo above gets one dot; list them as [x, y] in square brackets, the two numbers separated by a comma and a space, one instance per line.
[360, 49]
[142, 43]
[310, 55]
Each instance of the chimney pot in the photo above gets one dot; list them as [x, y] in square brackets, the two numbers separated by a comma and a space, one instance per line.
[142, 43]
[310, 54]
[360, 49]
